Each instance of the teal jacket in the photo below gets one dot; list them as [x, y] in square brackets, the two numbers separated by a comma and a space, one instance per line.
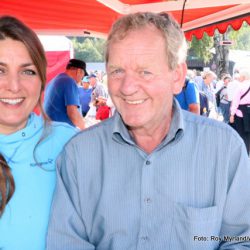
[23, 224]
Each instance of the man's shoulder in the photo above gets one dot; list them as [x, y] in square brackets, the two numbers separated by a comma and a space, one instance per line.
[244, 87]
[212, 138]
[198, 127]
[191, 88]
[86, 91]
[202, 122]
[62, 78]
[190, 83]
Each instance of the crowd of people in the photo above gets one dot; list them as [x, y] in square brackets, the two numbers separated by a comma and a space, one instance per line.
[77, 97]
[202, 94]
[225, 98]
[152, 176]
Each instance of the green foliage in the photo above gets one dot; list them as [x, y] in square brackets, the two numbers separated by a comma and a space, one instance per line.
[240, 38]
[89, 49]
[201, 48]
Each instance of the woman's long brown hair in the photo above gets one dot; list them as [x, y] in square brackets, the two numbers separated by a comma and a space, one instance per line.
[10, 27]
[7, 185]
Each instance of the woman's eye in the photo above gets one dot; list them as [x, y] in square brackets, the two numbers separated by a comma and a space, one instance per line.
[29, 72]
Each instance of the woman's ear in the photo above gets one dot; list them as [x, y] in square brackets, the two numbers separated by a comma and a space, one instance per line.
[179, 77]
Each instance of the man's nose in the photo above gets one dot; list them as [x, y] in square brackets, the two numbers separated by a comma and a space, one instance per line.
[129, 84]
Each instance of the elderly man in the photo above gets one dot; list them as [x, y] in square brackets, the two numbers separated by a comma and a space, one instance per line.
[153, 176]
[98, 89]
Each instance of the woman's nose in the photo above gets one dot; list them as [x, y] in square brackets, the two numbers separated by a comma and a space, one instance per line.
[13, 82]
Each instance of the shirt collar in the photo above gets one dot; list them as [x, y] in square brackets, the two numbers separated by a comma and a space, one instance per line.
[34, 124]
[121, 134]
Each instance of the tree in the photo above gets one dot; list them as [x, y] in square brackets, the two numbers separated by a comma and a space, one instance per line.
[89, 49]
[221, 53]
[240, 38]
[202, 48]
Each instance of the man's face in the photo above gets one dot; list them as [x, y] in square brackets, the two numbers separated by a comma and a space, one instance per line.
[85, 85]
[140, 83]
[79, 75]
[226, 81]
[92, 81]
[209, 79]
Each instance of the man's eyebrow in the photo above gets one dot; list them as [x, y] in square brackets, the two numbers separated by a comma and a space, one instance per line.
[112, 66]
[3, 64]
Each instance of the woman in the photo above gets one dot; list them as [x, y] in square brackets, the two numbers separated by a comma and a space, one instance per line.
[241, 97]
[29, 144]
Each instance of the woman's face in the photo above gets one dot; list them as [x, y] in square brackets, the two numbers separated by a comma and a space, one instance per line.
[20, 86]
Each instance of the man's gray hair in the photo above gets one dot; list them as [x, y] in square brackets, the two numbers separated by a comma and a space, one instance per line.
[175, 42]
[245, 73]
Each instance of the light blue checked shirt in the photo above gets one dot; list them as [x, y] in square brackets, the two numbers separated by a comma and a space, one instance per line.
[192, 192]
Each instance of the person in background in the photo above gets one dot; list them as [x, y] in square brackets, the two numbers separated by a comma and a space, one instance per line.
[103, 111]
[233, 86]
[241, 97]
[62, 101]
[97, 88]
[198, 79]
[109, 101]
[152, 176]
[85, 93]
[222, 100]
[208, 84]
[29, 144]
[208, 89]
[188, 98]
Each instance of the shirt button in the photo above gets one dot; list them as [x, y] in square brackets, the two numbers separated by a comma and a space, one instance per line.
[148, 162]
[144, 238]
[147, 200]
[23, 134]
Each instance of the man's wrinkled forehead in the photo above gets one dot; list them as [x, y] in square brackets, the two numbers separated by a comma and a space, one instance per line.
[134, 55]
[134, 51]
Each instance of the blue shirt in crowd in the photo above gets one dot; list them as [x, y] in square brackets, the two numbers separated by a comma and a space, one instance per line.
[85, 98]
[61, 92]
[189, 95]
[191, 192]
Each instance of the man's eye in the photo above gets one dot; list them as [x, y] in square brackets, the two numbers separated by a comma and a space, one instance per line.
[2, 71]
[117, 73]
[146, 74]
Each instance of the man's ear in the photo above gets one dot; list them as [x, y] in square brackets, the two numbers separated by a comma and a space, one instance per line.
[179, 77]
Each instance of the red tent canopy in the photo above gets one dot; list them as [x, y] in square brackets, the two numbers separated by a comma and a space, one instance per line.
[95, 17]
